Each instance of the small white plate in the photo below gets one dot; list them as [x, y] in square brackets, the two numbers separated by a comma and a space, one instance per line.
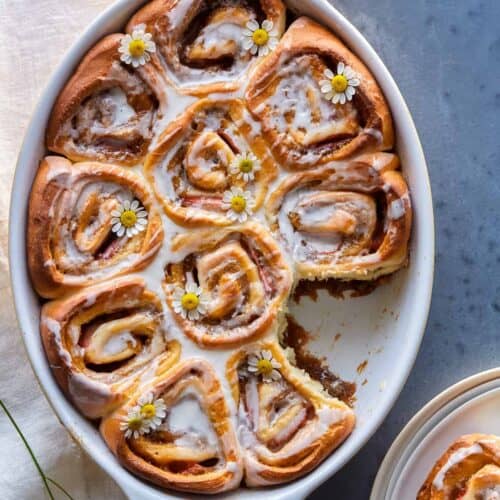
[471, 406]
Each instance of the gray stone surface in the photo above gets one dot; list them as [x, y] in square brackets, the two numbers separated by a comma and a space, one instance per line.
[445, 57]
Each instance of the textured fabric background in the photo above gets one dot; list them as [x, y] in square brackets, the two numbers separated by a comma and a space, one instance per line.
[34, 34]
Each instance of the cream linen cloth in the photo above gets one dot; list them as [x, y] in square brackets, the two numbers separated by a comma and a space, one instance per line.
[34, 34]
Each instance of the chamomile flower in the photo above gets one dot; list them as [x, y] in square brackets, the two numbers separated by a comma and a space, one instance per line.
[133, 424]
[190, 302]
[260, 39]
[340, 87]
[129, 219]
[151, 410]
[136, 49]
[244, 166]
[238, 204]
[265, 365]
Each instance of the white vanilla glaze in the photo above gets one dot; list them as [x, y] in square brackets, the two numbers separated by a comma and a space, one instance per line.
[187, 418]
[490, 493]
[455, 459]
[117, 343]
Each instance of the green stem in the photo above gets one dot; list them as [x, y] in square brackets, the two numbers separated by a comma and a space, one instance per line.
[57, 485]
[28, 447]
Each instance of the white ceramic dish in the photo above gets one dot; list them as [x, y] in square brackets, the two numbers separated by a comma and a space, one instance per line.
[470, 406]
[384, 328]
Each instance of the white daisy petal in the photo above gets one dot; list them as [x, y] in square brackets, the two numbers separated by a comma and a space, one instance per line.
[252, 25]
[267, 25]
[273, 43]
[329, 74]
[254, 49]
[247, 43]
[340, 68]
[263, 51]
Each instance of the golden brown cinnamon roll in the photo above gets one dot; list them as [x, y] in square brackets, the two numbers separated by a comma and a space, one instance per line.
[208, 155]
[287, 423]
[101, 341]
[207, 46]
[231, 286]
[108, 109]
[349, 220]
[88, 222]
[188, 442]
[468, 470]
[317, 102]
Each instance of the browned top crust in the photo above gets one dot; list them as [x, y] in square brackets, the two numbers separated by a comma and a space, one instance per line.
[464, 469]
[364, 124]
[107, 110]
[181, 27]
[66, 250]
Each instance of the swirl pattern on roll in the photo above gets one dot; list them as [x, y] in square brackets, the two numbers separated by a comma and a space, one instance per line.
[107, 111]
[195, 448]
[468, 470]
[349, 220]
[244, 276]
[71, 242]
[194, 164]
[200, 41]
[101, 341]
[287, 425]
[302, 127]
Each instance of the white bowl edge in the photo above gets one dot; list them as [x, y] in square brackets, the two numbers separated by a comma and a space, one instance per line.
[27, 306]
[433, 412]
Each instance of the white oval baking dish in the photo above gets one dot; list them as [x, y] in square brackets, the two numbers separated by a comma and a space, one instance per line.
[384, 328]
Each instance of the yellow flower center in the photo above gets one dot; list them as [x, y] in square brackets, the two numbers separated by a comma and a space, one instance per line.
[246, 165]
[260, 37]
[137, 48]
[148, 410]
[128, 218]
[190, 301]
[264, 367]
[134, 423]
[238, 203]
[339, 83]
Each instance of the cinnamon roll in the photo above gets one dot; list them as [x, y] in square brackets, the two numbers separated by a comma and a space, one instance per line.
[101, 341]
[107, 111]
[231, 286]
[203, 43]
[209, 152]
[468, 470]
[287, 424]
[88, 222]
[189, 444]
[317, 102]
[349, 220]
